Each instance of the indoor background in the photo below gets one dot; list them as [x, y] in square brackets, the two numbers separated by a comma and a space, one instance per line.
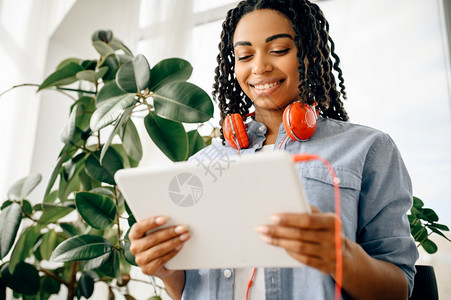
[395, 56]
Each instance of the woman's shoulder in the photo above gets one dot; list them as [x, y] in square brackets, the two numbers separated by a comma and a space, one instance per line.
[352, 130]
[352, 138]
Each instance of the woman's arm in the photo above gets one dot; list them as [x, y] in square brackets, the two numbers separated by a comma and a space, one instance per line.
[153, 250]
[309, 238]
[174, 284]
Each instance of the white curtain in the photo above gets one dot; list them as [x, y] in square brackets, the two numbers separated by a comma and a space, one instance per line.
[166, 32]
[25, 27]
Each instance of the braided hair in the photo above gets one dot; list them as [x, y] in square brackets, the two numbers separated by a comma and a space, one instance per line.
[317, 82]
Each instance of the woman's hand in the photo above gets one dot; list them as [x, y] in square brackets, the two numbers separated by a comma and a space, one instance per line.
[153, 250]
[309, 238]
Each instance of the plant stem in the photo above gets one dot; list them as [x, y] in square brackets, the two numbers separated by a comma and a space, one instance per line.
[73, 281]
[54, 276]
[20, 85]
[76, 90]
[117, 214]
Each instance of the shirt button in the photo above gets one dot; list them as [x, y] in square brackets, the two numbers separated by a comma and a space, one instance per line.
[227, 273]
[261, 128]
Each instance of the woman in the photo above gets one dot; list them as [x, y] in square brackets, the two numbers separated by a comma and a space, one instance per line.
[273, 54]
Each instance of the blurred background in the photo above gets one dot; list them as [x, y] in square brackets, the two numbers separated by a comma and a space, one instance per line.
[395, 56]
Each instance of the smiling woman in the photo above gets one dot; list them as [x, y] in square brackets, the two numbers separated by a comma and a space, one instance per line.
[272, 56]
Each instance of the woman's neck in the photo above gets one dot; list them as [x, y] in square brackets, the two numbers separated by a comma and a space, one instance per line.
[272, 120]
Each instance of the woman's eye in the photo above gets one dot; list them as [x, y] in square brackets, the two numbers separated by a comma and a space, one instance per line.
[243, 57]
[280, 52]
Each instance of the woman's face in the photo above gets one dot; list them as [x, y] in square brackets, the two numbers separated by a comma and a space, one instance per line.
[266, 65]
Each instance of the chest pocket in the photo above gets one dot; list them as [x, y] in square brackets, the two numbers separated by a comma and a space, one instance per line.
[319, 189]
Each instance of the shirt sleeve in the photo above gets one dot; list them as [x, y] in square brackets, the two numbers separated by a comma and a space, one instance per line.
[386, 196]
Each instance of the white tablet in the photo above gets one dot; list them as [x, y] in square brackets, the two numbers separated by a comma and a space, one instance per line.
[222, 202]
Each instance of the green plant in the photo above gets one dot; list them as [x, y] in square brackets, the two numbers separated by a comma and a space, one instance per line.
[82, 224]
[423, 223]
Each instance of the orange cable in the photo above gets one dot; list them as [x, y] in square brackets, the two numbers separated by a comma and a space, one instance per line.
[337, 235]
[250, 283]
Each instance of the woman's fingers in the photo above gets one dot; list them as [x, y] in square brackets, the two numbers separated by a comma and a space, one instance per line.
[315, 221]
[140, 229]
[161, 235]
[294, 233]
[157, 253]
[154, 246]
[155, 267]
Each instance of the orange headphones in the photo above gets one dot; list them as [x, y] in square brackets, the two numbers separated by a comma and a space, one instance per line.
[299, 121]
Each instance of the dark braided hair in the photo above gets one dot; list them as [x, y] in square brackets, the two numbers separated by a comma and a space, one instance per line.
[317, 82]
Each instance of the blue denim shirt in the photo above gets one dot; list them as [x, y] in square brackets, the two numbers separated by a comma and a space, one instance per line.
[376, 193]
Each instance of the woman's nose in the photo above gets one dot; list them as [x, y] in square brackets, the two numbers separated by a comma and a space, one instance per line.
[261, 65]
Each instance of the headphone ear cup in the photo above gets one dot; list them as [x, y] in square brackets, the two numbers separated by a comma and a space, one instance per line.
[235, 132]
[299, 120]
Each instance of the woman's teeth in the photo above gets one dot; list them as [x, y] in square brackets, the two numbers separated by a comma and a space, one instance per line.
[267, 85]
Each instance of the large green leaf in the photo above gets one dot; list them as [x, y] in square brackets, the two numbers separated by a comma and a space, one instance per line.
[131, 140]
[87, 181]
[134, 75]
[417, 202]
[81, 247]
[104, 50]
[10, 219]
[438, 232]
[97, 210]
[65, 154]
[70, 180]
[97, 262]
[111, 267]
[111, 110]
[102, 35]
[429, 246]
[75, 60]
[429, 215]
[183, 102]
[118, 45]
[112, 62]
[196, 142]
[129, 257]
[104, 172]
[23, 247]
[88, 75]
[128, 162]
[86, 106]
[108, 91]
[24, 280]
[49, 285]
[439, 226]
[169, 70]
[117, 127]
[67, 135]
[49, 241]
[168, 135]
[53, 212]
[23, 187]
[63, 76]
[85, 286]
[72, 229]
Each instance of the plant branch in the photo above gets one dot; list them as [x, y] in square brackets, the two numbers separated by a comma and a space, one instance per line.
[73, 281]
[54, 276]
[77, 90]
[17, 86]
[117, 214]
